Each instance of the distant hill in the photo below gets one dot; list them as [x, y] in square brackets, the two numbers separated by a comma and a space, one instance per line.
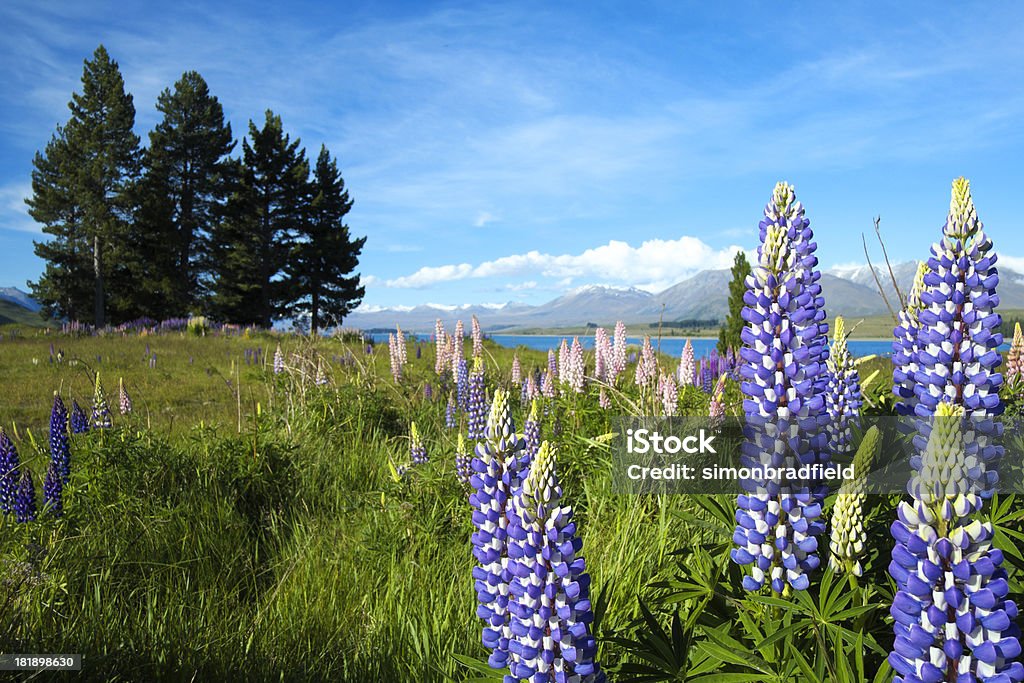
[13, 313]
[22, 299]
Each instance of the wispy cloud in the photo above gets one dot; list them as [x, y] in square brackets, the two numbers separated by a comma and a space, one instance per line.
[13, 211]
[483, 218]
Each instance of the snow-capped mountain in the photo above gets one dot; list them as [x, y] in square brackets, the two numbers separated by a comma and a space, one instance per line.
[16, 296]
[848, 290]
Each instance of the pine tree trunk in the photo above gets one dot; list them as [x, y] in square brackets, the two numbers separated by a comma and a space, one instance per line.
[315, 324]
[97, 267]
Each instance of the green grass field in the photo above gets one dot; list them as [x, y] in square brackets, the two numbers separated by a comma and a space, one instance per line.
[242, 524]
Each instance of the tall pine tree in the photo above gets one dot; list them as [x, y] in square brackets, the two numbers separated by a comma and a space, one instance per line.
[182, 196]
[320, 279]
[251, 247]
[65, 288]
[82, 195]
[729, 333]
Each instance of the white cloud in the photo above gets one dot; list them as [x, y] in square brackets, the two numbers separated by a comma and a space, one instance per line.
[654, 261]
[368, 280]
[1014, 263]
[483, 218]
[521, 286]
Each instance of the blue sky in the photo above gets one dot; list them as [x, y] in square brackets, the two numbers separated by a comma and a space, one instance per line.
[510, 153]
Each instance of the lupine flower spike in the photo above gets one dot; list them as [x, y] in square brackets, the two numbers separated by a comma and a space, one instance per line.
[618, 365]
[278, 361]
[517, 371]
[417, 451]
[463, 462]
[478, 338]
[496, 476]
[53, 492]
[842, 398]
[25, 498]
[550, 589]
[953, 621]
[669, 394]
[904, 346]
[716, 406]
[783, 358]
[79, 422]
[9, 473]
[124, 401]
[647, 366]
[687, 366]
[531, 435]
[847, 540]
[477, 401]
[60, 449]
[100, 407]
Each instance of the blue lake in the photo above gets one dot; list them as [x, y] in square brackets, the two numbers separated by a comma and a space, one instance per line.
[672, 346]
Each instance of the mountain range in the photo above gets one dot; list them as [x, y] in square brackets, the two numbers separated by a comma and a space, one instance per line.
[848, 291]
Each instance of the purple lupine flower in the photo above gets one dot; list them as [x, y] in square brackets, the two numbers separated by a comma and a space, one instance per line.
[602, 354]
[419, 352]
[553, 365]
[531, 435]
[417, 451]
[668, 392]
[618, 364]
[124, 401]
[428, 392]
[687, 373]
[953, 621]
[9, 467]
[707, 375]
[547, 385]
[779, 521]
[478, 338]
[100, 407]
[53, 491]
[495, 477]
[549, 601]
[603, 400]
[842, 397]
[60, 449]
[449, 413]
[25, 498]
[79, 422]
[517, 370]
[462, 385]
[278, 360]
[532, 387]
[477, 412]
[904, 347]
[647, 367]
[463, 462]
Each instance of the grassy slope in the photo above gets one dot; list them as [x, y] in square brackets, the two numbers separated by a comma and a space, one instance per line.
[286, 551]
[12, 313]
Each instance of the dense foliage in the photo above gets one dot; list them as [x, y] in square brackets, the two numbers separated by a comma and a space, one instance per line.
[181, 227]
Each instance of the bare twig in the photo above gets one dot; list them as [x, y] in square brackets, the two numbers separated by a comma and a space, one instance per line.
[878, 282]
[885, 255]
